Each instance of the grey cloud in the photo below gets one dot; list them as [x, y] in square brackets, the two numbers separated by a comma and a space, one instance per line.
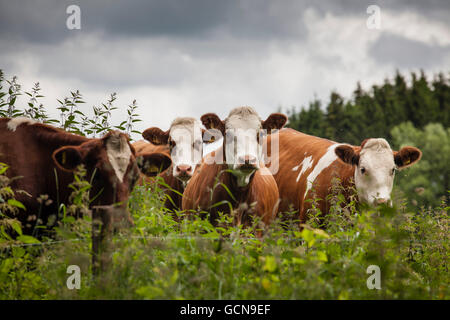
[201, 55]
[44, 20]
[406, 53]
[40, 21]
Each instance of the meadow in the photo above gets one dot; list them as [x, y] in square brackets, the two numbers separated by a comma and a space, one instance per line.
[181, 256]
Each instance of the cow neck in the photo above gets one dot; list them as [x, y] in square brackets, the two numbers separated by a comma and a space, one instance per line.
[241, 192]
[176, 183]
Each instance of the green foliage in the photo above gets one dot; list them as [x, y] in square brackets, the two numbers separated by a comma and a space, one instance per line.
[160, 258]
[71, 117]
[426, 182]
[17, 263]
[9, 208]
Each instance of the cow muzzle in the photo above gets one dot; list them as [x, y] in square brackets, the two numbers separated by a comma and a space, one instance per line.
[247, 163]
[183, 172]
[379, 201]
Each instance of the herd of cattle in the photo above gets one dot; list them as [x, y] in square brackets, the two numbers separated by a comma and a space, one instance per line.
[260, 169]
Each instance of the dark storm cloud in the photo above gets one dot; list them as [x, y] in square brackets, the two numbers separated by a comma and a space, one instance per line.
[40, 21]
[188, 57]
[44, 20]
[406, 53]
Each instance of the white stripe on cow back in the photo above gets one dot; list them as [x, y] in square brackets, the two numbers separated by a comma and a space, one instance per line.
[327, 159]
[119, 154]
[305, 164]
[14, 123]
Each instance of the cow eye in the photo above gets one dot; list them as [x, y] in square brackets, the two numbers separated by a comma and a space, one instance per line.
[197, 144]
[363, 170]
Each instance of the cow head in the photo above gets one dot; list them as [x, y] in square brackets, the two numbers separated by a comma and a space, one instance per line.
[184, 139]
[242, 131]
[111, 165]
[375, 167]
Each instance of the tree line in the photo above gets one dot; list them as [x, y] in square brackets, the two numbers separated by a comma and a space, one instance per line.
[373, 113]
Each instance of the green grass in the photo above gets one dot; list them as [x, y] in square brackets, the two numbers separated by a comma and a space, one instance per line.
[160, 258]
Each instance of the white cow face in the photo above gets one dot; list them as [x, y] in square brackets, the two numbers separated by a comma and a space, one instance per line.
[242, 144]
[375, 167]
[184, 139]
[242, 141]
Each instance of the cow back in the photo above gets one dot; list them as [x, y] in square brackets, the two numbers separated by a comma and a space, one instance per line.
[307, 167]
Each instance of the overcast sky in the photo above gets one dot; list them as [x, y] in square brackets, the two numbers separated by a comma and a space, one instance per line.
[188, 57]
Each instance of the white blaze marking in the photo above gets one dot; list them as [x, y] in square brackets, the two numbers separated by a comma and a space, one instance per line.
[184, 152]
[186, 132]
[306, 164]
[14, 123]
[119, 154]
[244, 126]
[328, 158]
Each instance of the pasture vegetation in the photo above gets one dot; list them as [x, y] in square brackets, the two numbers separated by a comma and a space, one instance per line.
[160, 258]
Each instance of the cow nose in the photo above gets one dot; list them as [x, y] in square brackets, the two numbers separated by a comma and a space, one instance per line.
[381, 200]
[184, 170]
[247, 160]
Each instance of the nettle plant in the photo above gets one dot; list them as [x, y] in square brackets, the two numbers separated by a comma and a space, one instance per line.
[71, 117]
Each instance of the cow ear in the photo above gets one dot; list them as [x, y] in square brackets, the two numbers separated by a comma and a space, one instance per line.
[406, 157]
[364, 143]
[347, 154]
[156, 136]
[151, 164]
[212, 121]
[67, 158]
[274, 121]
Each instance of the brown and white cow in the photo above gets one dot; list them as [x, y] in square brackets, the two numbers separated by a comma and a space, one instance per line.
[241, 173]
[307, 165]
[183, 143]
[44, 158]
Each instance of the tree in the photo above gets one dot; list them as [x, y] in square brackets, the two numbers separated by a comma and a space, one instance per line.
[310, 121]
[373, 113]
[426, 182]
